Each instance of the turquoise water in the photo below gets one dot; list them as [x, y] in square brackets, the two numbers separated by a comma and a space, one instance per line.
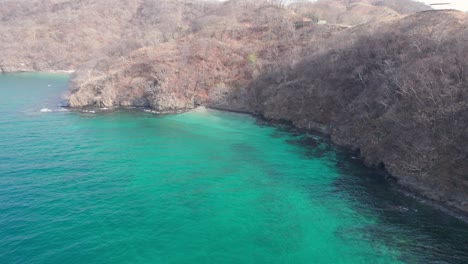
[199, 187]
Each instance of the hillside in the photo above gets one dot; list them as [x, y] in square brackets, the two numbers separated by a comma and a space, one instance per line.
[396, 93]
[228, 48]
[42, 35]
[237, 38]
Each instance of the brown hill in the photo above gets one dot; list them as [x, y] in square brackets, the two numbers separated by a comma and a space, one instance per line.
[227, 49]
[396, 92]
[42, 35]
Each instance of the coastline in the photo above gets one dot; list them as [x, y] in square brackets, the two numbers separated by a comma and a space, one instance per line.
[405, 189]
[2, 71]
[234, 131]
[62, 71]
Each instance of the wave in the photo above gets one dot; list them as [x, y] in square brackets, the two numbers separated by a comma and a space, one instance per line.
[45, 110]
[149, 111]
[48, 110]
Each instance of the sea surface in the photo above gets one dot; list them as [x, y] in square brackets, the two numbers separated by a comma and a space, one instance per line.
[200, 187]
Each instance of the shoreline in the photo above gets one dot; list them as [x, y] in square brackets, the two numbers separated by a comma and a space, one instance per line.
[407, 190]
[33, 71]
[61, 71]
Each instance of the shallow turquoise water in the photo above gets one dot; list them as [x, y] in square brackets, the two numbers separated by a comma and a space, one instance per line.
[200, 187]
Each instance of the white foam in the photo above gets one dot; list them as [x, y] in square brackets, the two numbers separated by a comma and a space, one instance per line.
[200, 109]
[150, 111]
[46, 110]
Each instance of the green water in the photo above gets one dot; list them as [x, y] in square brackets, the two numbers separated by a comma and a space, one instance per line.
[200, 187]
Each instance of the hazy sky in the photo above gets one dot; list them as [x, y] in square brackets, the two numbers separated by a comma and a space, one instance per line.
[457, 4]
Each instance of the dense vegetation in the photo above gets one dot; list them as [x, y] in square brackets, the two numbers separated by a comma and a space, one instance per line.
[385, 77]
